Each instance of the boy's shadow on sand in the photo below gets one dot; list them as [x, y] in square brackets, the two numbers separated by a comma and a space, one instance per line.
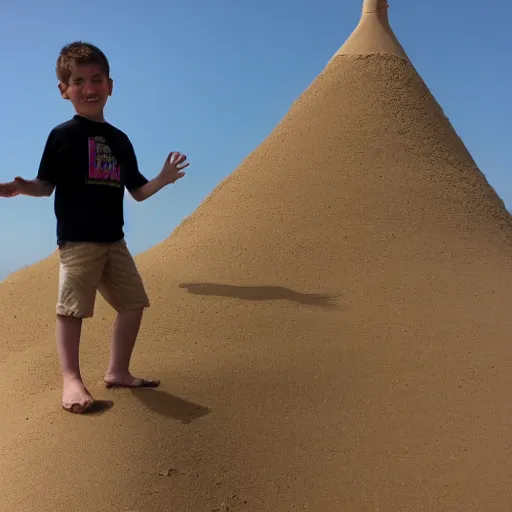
[160, 402]
[100, 406]
[261, 293]
[169, 405]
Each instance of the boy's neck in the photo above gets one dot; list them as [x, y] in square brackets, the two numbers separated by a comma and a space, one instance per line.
[97, 119]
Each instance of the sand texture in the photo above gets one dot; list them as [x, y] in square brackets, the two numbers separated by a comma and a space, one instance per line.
[331, 326]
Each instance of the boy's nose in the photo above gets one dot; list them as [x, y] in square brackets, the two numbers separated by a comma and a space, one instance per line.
[89, 87]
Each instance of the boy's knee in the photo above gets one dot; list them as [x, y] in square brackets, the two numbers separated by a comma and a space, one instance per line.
[78, 312]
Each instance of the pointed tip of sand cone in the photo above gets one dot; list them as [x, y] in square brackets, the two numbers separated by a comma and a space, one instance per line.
[374, 6]
[373, 34]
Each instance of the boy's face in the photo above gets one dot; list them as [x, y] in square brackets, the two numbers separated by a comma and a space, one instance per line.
[88, 90]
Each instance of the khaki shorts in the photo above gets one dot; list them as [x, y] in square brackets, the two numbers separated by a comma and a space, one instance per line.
[109, 268]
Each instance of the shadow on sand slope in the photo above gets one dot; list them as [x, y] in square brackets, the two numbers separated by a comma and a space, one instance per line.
[169, 405]
[261, 293]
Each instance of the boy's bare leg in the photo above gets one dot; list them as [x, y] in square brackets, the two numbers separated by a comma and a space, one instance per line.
[75, 397]
[124, 335]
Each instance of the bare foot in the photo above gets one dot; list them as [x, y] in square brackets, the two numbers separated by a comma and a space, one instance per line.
[128, 381]
[75, 397]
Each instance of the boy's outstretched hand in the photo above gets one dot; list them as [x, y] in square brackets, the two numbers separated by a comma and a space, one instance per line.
[173, 167]
[34, 188]
[8, 190]
[15, 188]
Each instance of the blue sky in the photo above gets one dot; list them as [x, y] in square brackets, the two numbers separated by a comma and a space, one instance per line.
[212, 79]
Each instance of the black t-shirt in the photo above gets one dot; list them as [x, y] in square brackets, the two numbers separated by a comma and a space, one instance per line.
[90, 163]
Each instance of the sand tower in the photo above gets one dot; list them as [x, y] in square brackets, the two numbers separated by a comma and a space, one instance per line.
[331, 326]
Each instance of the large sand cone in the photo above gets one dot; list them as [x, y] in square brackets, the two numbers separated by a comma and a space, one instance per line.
[332, 327]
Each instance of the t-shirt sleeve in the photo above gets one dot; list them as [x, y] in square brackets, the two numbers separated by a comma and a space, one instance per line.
[133, 178]
[49, 166]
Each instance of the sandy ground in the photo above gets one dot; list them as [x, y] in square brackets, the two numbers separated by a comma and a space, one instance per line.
[331, 326]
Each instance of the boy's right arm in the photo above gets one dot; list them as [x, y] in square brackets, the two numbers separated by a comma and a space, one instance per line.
[47, 174]
[21, 186]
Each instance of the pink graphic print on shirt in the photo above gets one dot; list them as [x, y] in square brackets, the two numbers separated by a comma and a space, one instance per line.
[104, 169]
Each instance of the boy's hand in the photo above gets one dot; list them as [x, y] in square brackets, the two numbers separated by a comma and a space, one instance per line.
[35, 188]
[8, 190]
[14, 188]
[172, 170]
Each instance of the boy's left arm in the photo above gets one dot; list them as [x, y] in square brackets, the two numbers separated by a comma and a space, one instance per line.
[172, 171]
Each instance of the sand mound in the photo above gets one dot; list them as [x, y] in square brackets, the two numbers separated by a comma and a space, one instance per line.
[332, 328]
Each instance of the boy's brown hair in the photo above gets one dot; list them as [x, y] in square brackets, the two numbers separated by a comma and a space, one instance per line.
[79, 53]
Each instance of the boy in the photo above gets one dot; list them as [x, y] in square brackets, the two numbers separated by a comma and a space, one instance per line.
[89, 163]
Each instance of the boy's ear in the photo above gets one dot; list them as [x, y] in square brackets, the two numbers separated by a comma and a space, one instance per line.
[62, 89]
[110, 86]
